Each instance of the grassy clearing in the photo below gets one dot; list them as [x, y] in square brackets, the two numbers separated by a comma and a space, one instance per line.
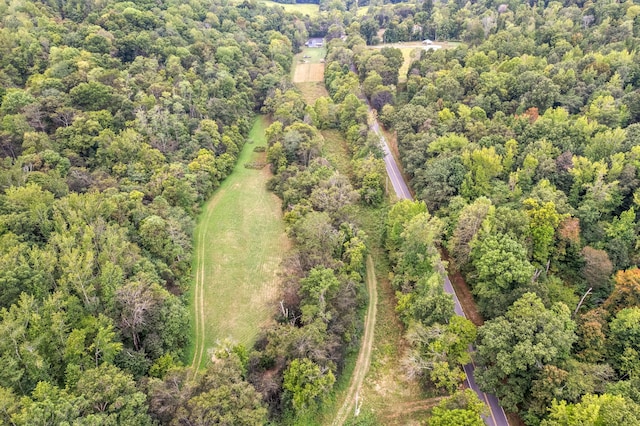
[240, 241]
[409, 55]
[306, 79]
[388, 394]
[352, 398]
[335, 150]
[314, 55]
[305, 8]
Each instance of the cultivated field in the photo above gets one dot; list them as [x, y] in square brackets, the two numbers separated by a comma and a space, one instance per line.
[307, 73]
[240, 241]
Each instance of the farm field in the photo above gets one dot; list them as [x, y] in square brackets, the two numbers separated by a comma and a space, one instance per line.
[309, 65]
[305, 73]
[240, 242]
[309, 76]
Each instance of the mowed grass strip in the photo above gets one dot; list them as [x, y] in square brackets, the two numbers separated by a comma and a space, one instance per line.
[240, 241]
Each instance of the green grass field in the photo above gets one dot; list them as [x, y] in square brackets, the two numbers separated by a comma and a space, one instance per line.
[315, 55]
[240, 241]
[304, 8]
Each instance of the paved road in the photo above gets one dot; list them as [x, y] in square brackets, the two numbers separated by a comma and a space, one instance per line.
[399, 185]
[497, 416]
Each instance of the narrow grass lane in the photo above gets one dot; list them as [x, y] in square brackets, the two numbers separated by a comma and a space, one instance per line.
[239, 244]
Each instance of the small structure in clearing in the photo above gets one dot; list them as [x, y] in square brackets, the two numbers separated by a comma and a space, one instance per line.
[314, 42]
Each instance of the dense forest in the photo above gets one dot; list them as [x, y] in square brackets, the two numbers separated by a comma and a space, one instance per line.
[523, 145]
[119, 119]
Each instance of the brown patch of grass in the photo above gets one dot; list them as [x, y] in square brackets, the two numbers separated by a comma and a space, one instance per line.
[515, 420]
[463, 292]
[403, 411]
[306, 72]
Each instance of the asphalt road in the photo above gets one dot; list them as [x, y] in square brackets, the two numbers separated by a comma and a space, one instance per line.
[497, 416]
[399, 185]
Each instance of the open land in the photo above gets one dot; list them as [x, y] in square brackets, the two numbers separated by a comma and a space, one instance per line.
[304, 8]
[240, 241]
[308, 73]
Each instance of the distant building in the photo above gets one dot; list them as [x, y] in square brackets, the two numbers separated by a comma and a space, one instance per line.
[314, 42]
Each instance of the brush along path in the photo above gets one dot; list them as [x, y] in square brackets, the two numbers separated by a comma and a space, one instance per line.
[364, 356]
[239, 242]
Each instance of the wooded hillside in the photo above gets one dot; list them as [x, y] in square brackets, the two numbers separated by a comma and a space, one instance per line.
[117, 119]
[524, 144]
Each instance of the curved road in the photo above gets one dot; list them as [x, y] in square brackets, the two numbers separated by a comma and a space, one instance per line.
[497, 416]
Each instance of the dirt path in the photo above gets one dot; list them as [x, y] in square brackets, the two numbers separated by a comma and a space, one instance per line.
[463, 292]
[364, 357]
[199, 292]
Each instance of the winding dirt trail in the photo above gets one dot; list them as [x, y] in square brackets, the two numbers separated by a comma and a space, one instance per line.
[364, 356]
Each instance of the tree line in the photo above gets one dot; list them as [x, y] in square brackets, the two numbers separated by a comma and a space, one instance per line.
[117, 121]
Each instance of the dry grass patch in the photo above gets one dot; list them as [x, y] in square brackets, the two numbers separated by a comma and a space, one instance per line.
[306, 72]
